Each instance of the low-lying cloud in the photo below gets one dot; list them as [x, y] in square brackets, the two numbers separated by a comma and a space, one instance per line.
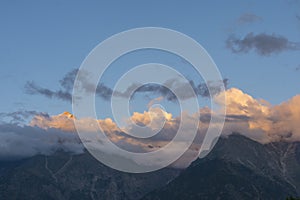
[26, 141]
[263, 44]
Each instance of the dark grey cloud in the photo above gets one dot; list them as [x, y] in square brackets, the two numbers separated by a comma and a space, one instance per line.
[247, 18]
[20, 116]
[66, 84]
[263, 44]
[201, 89]
[155, 89]
[67, 81]
[105, 92]
[32, 88]
[64, 93]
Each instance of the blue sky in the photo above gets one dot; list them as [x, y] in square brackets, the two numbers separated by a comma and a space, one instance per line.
[42, 41]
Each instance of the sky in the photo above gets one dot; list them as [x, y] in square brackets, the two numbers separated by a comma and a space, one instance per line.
[255, 45]
[42, 41]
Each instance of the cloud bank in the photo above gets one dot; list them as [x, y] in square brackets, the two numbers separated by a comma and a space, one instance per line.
[254, 118]
[26, 141]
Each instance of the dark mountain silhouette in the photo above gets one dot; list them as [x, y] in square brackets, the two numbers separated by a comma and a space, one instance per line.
[237, 168]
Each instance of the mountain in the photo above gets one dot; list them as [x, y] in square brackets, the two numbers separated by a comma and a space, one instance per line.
[239, 168]
[64, 176]
[67, 115]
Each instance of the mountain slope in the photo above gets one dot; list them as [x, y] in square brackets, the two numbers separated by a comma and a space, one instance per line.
[238, 168]
[63, 176]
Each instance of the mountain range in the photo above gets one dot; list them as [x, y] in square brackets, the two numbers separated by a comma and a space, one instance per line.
[237, 168]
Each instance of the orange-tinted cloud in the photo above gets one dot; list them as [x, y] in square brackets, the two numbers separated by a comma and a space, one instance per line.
[254, 118]
[260, 120]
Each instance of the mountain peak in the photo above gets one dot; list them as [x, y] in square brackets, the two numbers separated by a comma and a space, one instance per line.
[68, 115]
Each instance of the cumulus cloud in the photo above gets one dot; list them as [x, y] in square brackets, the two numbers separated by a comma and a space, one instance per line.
[65, 123]
[260, 120]
[247, 18]
[264, 44]
[62, 121]
[254, 118]
[118, 135]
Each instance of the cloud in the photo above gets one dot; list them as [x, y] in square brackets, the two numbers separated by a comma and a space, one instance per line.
[105, 92]
[260, 120]
[247, 18]
[65, 123]
[66, 84]
[201, 89]
[154, 101]
[26, 141]
[67, 81]
[62, 121]
[20, 116]
[33, 88]
[263, 44]
[254, 118]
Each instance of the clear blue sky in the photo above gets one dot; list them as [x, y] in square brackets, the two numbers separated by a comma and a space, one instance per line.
[43, 40]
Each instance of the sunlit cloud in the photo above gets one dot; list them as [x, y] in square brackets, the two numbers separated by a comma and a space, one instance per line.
[254, 118]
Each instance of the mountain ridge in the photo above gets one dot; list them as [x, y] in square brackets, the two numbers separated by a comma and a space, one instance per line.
[236, 168]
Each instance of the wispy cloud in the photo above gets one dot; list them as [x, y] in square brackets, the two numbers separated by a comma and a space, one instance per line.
[20, 116]
[263, 44]
[64, 93]
[105, 92]
[32, 88]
